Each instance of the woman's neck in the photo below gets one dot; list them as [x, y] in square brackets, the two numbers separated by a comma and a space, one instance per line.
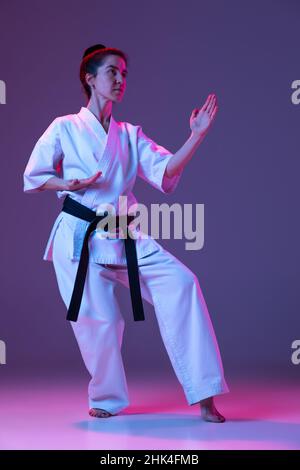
[102, 111]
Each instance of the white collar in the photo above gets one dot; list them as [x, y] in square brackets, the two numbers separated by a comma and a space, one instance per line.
[86, 115]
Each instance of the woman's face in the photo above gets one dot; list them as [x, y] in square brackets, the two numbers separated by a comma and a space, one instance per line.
[110, 81]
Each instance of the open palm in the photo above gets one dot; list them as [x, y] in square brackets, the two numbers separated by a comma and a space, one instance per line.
[76, 184]
[202, 118]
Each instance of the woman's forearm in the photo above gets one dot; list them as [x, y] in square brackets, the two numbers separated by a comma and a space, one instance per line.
[183, 155]
[55, 183]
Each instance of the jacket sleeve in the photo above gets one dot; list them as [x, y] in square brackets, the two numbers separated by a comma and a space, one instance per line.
[45, 159]
[152, 162]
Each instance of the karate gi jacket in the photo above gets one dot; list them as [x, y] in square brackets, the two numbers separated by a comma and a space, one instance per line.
[77, 146]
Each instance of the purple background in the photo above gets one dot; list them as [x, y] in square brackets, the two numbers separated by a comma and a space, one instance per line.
[246, 172]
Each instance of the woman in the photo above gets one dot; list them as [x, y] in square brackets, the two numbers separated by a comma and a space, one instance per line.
[91, 160]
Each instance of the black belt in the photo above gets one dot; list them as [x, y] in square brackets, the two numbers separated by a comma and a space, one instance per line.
[79, 210]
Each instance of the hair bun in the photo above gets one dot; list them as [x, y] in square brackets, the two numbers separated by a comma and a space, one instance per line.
[94, 48]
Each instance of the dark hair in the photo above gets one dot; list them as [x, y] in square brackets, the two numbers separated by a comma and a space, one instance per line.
[92, 58]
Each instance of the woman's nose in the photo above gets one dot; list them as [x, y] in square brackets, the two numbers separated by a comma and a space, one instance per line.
[120, 78]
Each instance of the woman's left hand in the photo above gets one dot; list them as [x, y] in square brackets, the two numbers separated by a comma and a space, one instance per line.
[201, 119]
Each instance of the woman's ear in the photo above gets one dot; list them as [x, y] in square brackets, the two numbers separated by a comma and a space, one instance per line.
[89, 78]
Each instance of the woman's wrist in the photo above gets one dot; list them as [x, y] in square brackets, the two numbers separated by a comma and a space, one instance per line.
[55, 183]
[196, 138]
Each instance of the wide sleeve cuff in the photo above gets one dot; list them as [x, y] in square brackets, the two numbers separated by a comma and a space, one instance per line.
[167, 184]
[153, 160]
[44, 161]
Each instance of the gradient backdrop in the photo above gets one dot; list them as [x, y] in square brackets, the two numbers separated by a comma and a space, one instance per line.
[246, 172]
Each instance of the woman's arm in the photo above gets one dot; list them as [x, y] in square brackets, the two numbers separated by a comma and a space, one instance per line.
[200, 122]
[59, 184]
[46, 161]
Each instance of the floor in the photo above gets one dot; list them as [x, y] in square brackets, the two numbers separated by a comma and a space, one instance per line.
[41, 414]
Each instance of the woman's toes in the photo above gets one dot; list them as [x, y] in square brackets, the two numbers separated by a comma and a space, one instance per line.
[99, 413]
[215, 418]
[212, 416]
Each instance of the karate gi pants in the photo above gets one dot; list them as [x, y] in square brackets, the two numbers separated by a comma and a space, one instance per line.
[182, 315]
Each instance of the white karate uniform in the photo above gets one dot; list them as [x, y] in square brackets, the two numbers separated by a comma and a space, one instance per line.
[77, 146]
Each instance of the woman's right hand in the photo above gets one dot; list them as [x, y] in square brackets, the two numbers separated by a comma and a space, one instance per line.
[76, 184]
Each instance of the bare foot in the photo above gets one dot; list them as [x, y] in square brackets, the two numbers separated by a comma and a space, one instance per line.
[99, 413]
[209, 412]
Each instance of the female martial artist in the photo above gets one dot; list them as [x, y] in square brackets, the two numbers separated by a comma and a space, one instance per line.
[92, 161]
